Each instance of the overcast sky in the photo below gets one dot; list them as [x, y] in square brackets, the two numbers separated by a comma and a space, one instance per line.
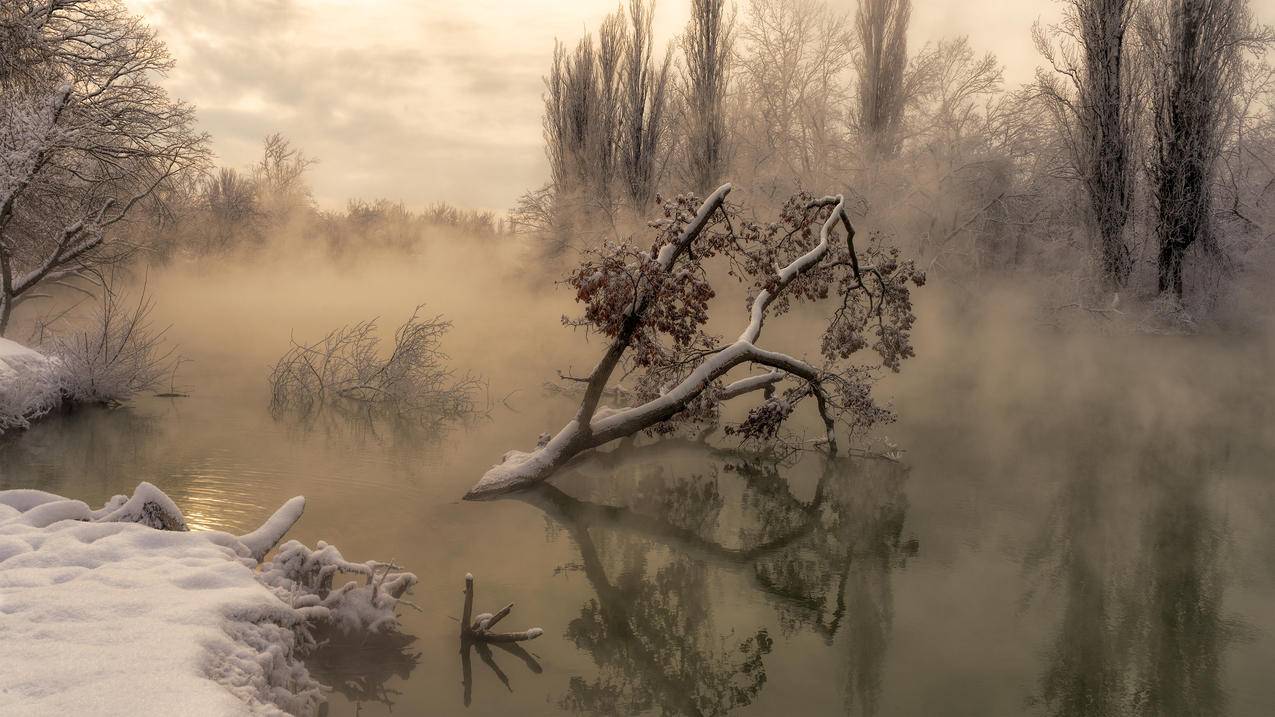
[425, 100]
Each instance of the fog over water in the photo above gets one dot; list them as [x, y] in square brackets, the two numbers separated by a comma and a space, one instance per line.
[1077, 518]
[772, 357]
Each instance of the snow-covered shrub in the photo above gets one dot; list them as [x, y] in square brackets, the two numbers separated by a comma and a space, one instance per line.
[30, 385]
[109, 358]
[117, 354]
[304, 577]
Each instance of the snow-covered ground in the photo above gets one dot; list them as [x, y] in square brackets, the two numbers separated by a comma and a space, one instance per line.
[122, 611]
[29, 385]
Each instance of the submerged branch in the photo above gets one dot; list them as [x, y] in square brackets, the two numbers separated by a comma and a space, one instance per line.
[346, 365]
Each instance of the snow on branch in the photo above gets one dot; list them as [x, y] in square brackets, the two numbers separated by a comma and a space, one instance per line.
[305, 578]
[653, 305]
[263, 539]
[77, 156]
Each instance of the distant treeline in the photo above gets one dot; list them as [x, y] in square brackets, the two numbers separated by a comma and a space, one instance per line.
[227, 210]
[101, 168]
[1141, 159]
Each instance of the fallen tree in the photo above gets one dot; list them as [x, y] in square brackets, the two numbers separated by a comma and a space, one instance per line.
[653, 304]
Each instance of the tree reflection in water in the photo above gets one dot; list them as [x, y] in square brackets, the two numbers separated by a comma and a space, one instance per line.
[651, 539]
[1138, 565]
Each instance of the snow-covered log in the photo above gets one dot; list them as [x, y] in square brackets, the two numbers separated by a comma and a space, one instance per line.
[263, 539]
[653, 304]
[103, 614]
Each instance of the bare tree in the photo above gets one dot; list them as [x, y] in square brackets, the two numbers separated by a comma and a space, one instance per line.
[706, 46]
[1246, 198]
[960, 82]
[603, 144]
[85, 135]
[957, 165]
[579, 127]
[569, 102]
[279, 178]
[604, 126]
[233, 208]
[883, 91]
[792, 66]
[653, 304]
[1094, 96]
[1195, 51]
[644, 107]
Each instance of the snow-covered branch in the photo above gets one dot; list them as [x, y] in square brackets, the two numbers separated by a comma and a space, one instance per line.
[653, 305]
[85, 135]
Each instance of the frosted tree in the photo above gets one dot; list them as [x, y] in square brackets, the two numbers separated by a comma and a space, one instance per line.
[652, 302]
[884, 86]
[644, 107]
[605, 119]
[706, 47]
[1094, 96]
[279, 178]
[85, 135]
[1195, 50]
[792, 65]
[1247, 182]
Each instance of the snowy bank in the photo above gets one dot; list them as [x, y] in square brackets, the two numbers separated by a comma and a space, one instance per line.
[30, 385]
[121, 610]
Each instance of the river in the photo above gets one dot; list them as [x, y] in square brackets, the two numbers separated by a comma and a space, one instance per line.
[1075, 525]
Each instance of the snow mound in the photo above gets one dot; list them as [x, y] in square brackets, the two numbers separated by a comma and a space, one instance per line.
[30, 385]
[102, 613]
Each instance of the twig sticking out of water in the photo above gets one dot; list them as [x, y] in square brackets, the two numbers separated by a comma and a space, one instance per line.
[479, 627]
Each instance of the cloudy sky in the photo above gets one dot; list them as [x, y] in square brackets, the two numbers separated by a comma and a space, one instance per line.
[425, 100]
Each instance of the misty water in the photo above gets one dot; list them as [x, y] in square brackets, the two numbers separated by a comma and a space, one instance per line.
[1078, 524]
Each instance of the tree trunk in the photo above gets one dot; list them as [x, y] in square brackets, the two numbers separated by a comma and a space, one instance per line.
[6, 289]
[1171, 268]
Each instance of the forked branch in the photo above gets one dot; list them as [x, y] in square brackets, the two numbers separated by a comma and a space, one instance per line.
[653, 305]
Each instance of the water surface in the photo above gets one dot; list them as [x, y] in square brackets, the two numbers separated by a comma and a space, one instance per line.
[1076, 526]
